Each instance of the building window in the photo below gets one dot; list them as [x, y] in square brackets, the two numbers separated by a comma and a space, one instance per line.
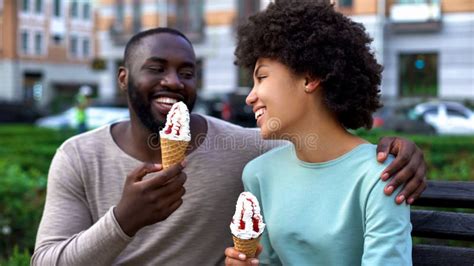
[86, 47]
[418, 75]
[247, 8]
[38, 43]
[86, 11]
[345, 3]
[73, 48]
[25, 5]
[57, 39]
[74, 9]
[39, 6]
[57, 8]
[190, 18]
[24, 42]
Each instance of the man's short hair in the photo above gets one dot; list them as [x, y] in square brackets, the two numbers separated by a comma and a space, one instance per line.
[135, 40]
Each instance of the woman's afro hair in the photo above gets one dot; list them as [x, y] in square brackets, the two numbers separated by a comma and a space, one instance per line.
[311, 38]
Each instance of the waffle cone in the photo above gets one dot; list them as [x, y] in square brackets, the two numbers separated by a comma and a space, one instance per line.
[246, 246]
[172, 151]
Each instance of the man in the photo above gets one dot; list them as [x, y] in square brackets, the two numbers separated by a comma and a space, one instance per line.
[105, 206]
[82, 102]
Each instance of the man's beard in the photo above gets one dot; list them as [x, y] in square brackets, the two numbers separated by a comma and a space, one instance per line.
[142, 108]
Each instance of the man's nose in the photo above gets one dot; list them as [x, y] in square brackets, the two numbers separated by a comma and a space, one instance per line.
[172, 81]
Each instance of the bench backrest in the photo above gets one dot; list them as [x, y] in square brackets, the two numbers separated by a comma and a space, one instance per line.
[443, 224]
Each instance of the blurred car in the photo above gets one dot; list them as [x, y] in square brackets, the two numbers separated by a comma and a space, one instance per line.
[446, 117]
[96, 116]
[398, 119]
[16, 112]
[229, 106]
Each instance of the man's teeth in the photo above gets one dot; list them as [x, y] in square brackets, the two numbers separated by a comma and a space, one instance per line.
[259, 113]
[166, 100]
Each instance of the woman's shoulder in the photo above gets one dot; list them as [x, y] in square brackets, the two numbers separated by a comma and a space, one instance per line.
[268, 161]
[272, 156]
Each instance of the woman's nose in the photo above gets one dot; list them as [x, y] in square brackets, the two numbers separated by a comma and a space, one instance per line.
[251, 98]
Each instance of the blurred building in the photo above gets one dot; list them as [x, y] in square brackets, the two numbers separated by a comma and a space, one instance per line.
[209, 24]
[46, 49]
[426, 46]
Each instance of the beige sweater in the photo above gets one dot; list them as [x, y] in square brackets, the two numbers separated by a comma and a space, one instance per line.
[85, 182]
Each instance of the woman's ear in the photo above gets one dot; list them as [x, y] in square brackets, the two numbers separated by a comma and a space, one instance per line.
[311, 84]
[123, 78]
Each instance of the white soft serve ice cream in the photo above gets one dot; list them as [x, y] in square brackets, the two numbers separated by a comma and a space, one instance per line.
[247, 222]
[177, 123]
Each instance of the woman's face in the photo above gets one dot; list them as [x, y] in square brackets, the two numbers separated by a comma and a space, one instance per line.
[277, 99]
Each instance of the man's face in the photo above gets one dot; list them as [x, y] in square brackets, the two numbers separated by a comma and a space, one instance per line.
[161, 72]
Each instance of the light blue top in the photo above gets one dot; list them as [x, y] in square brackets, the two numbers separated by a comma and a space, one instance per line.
[331, 213]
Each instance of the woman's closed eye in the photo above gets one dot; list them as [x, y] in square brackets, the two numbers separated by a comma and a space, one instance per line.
[261, 77]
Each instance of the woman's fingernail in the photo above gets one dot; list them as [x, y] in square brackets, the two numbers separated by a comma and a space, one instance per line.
[410, 200]
[385, 176]
[254, 262]
[390, 189]
[242, 256]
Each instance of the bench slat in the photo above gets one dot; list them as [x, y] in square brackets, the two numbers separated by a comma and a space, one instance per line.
[452, 194]
[442, 255]
[440, 224]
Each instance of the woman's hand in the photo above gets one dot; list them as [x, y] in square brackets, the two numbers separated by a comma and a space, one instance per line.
[408, 168]
[234, 257]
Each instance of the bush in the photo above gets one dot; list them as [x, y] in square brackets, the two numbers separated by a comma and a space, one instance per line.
[448, 157]
[17, 258]
[25, 155]
[21, 203]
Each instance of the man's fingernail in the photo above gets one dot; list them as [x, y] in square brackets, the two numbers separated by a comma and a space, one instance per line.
[385, 176]
[242, 256]
[390, 189]
[254, 262]
[400, 198]
[380, 155]
[410, 200]
[183, 163]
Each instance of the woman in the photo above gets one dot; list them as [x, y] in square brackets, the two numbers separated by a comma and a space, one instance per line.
[314, 78]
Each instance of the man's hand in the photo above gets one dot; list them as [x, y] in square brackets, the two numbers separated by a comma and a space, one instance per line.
[146, 202]
[409, 168]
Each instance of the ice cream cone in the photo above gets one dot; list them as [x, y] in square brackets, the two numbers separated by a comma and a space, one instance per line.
[172, 151]
[246, 246]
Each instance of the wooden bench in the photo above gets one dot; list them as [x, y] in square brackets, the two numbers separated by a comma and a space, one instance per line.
[444, 224]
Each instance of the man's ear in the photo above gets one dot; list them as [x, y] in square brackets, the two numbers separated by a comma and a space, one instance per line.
[123, 78]
[311, 84]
